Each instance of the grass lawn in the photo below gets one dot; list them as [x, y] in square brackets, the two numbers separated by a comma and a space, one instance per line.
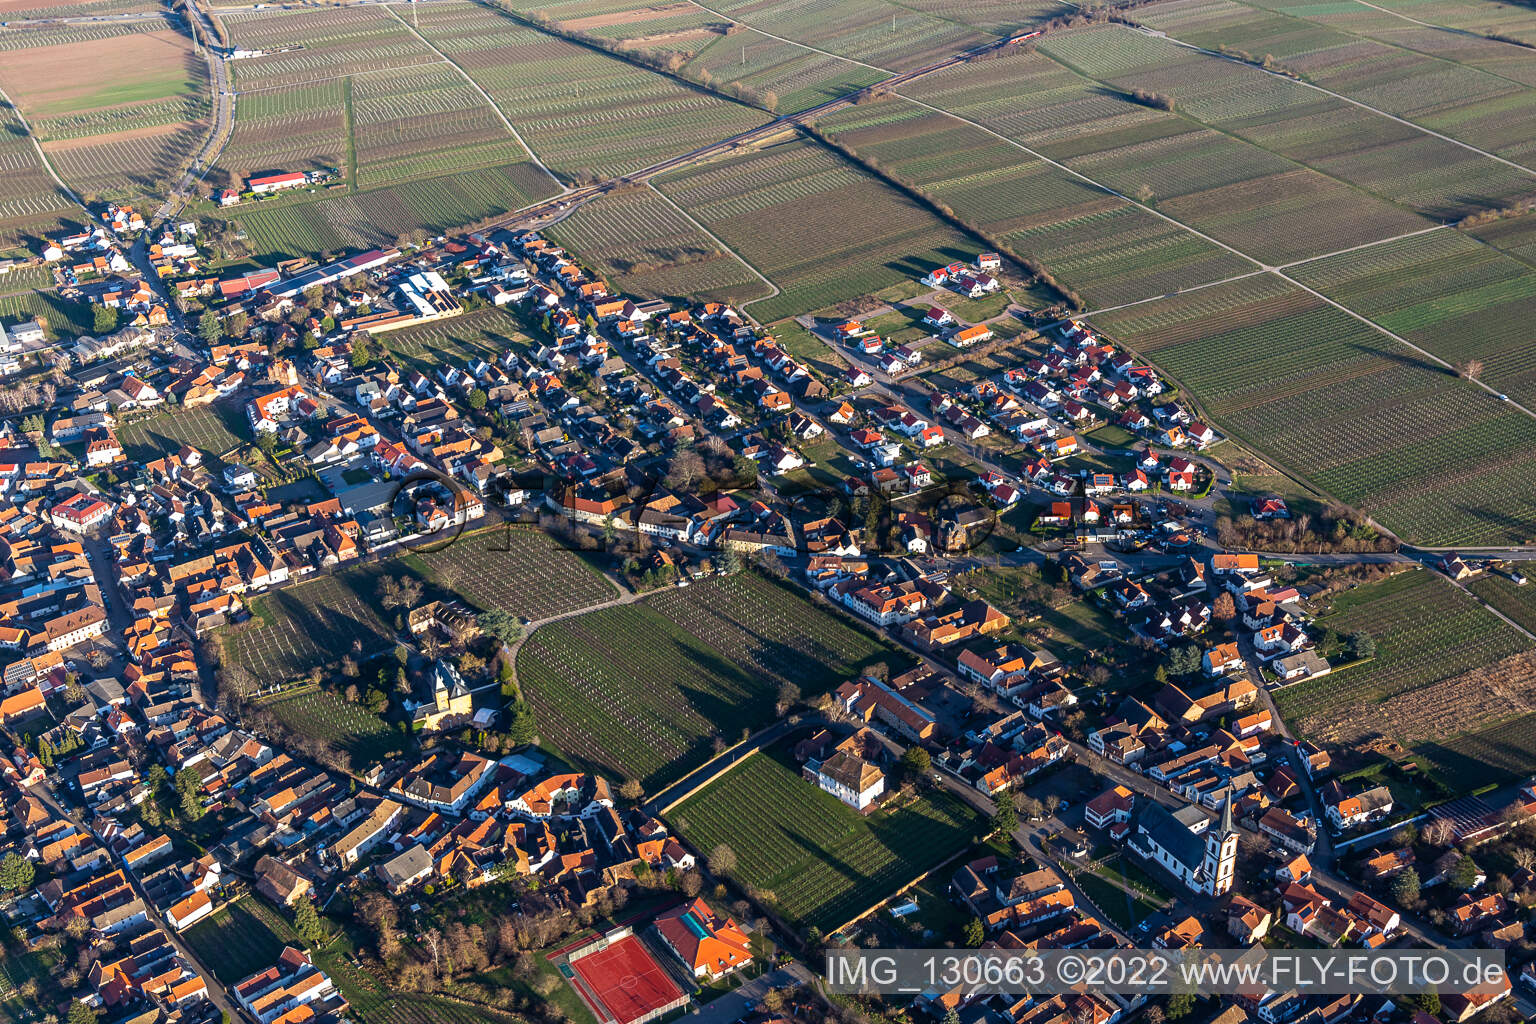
[974, 311]
[1121, 907]
[1111, 436]
[808, 348]
[822, 862]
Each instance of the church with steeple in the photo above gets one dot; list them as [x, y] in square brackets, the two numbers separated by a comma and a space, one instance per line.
[1184, 843]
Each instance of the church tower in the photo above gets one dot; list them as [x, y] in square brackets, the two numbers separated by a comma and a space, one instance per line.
[1220, 863]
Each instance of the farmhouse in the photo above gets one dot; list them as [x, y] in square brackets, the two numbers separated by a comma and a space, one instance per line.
[276, 182]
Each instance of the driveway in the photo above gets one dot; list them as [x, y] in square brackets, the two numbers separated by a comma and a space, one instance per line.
[730, 1007]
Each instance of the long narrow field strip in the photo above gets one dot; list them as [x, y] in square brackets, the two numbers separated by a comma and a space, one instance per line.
[1107, 249]
[1447, 293]
[1433, 458]
[583, 113]
[1400, 163]
[1444, 667]
[641, 690]
[819, 227]
[815, 860]
[313, 45]
[646, 247]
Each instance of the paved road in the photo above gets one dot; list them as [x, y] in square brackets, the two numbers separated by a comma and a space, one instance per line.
[223, 117]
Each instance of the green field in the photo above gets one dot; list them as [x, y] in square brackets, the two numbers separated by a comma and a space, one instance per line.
[820, 228]
[317, 621]
[1327, 398]
[210, 429]
[241, 938]
[583, 113]
[481, 333]
[1241, 112]
[1443, 667]
[1446, 293]
[519, 570]
[311, 623]
[351, 730]
[640, 690]
[1508, 597]
[822, 862]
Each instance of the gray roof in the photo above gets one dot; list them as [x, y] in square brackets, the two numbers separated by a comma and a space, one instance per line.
[1169, 833]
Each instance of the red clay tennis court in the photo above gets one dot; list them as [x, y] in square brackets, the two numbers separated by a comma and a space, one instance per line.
[626, 982]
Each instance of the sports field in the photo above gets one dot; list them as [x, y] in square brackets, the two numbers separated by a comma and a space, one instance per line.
[623, 982]
[811, 857]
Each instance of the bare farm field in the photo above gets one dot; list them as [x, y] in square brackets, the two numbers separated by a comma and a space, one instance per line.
[646, 247]
[1438, 654]
[117, 115]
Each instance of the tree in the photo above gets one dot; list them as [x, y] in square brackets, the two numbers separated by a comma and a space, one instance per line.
[1362, 644]
[1473, 369]
[306, 921]
[631, 790]
[502, 625]
[189, 786]
[789, 696]
[80, 1013]
[975, 933]
[1464, 875]
[477, 399]
[951, 1016]
[1184, 660]
[104, 319]
[16, 873]
[915, 763]
[1224, 609]
[1405, 888]
[722, 860]
[1429, 1002]
[520, 724]
[1179, 1005]
[208, 327]
[1005, 820]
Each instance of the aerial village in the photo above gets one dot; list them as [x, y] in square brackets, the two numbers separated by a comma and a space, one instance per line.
[673, 433]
